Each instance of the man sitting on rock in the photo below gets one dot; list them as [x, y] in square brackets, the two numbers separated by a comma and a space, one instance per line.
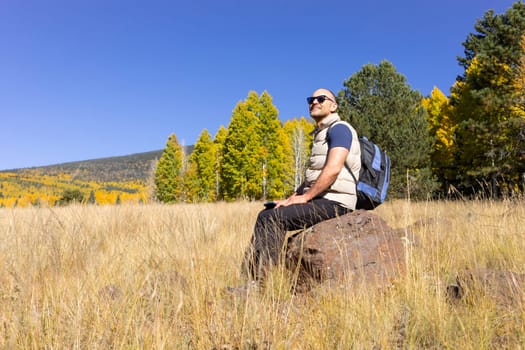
[329, 190]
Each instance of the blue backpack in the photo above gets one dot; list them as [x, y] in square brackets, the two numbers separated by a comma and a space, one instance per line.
[374, 176]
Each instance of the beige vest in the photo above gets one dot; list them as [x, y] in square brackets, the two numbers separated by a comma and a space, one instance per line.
[343, 190]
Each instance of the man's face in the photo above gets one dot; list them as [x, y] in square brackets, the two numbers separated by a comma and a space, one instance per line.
[319, 110]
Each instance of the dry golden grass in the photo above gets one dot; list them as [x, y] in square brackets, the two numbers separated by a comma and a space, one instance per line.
[154, 277]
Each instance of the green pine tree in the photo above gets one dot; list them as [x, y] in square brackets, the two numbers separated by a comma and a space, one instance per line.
[71, 196]
[240, 154]
[91, 198]
[169, 184]
[380, 104]
[219, 141]
[254, 151]
[488, 103]
[273, 150]
[202, 162]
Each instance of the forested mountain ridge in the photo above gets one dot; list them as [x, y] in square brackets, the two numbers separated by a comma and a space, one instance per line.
[110, 180]
[121, 168]
[137, 166]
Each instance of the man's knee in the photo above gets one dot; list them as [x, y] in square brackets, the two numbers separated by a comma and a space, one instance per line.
[265, 214]
[270, 219]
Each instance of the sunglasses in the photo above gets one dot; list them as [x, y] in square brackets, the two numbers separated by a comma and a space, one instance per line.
[320, 99]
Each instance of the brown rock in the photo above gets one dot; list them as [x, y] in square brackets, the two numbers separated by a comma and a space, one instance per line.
[356, 248]
[505, 288]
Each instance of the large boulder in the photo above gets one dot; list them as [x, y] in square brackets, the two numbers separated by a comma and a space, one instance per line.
[357, 248]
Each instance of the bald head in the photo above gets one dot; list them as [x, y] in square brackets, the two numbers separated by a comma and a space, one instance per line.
[322, 103]
[327, 92]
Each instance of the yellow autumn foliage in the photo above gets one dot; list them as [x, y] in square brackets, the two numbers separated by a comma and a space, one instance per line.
[441, 125]
[25, 189]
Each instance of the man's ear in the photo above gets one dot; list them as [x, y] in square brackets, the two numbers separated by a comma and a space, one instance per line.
[333, 108]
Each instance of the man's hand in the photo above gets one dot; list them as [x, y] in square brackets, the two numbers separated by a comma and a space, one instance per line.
[334, 164]
[293, 199]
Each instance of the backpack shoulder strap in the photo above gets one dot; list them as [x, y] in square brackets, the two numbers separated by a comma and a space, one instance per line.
[328, 131]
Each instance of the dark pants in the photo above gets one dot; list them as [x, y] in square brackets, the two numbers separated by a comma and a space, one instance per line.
[270, 231]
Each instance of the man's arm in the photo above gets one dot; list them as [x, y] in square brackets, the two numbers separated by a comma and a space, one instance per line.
[334, 163]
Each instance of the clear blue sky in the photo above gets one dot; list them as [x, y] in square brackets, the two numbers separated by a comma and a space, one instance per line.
[87, 79]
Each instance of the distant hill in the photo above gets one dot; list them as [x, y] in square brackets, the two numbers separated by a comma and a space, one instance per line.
[138, 166]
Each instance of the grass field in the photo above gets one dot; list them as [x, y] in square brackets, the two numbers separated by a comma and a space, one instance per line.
[155, 277]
